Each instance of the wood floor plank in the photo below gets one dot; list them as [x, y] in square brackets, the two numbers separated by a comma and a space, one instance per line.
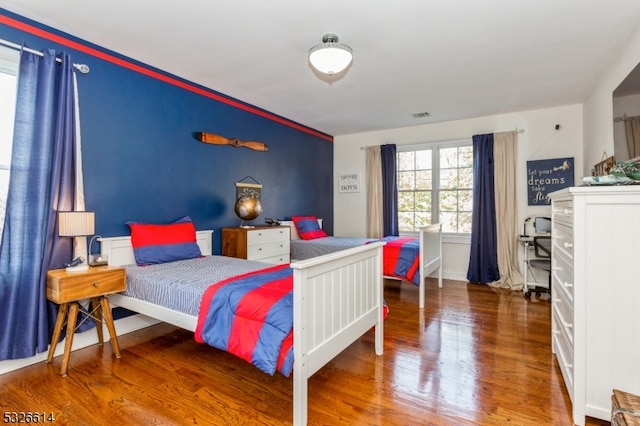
[475, 355]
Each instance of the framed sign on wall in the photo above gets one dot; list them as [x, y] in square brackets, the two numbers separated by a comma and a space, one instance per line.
[348, 182]
[546, 176]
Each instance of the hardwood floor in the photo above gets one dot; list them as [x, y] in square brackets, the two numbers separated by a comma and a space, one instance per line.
[475, 356]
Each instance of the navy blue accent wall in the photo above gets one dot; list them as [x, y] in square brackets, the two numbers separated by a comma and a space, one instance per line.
[141, 162]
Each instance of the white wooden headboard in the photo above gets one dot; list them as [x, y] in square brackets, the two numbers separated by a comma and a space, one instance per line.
[120, 251]
[294, 231]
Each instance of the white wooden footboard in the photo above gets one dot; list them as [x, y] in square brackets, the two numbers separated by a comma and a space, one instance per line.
[430, 256]
[336, 297]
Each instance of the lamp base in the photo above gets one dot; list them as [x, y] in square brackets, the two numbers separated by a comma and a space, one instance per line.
[78, 268]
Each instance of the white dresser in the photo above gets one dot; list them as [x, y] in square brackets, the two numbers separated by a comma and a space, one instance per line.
[270, 244]
[595, 294]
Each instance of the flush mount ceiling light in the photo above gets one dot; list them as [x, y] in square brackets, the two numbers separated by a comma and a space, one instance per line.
[330, 57]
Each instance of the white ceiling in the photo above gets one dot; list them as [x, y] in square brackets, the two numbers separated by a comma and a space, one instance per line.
[453, 59]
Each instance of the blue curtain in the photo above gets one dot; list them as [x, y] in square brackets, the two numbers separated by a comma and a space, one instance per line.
[483, 262]
[389, 191]
[42, 180]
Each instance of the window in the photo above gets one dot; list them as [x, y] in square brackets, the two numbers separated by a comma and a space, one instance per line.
[8, 71]
[435, 184]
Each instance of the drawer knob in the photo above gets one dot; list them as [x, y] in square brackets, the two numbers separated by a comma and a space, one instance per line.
[568, 245]
[566, 324]
[96, 284]
[566, 284]
[567, 211]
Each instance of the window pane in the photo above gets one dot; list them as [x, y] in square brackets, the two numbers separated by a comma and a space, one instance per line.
[7, 114]
[448, 157]
[448, 178]
[406, 160]
[465, 200]
[406, 201]
[423, 179]
[405, 221]
[423, 201]
[4, 189]
[449, 221]
[465, 177]
[423, 160]
[423, 219]
[406, 180]
[464, 224]
[465, 156]
[448, 200]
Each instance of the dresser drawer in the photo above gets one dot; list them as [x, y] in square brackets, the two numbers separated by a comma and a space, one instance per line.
[261, 251]
[262, 236]
[563, 212]
[63, 287]
[283, 258]
[564, 355]
[563, 316]
[562, 275]
[563, 240]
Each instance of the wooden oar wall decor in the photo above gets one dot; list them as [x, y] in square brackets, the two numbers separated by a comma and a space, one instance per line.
[221, 140]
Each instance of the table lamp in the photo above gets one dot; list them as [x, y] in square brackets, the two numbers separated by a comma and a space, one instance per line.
[77, 224]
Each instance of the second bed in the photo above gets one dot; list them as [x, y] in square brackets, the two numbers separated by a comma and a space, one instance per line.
[410, 259]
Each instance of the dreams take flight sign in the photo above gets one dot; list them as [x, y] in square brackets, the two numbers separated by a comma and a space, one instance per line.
[546, 176]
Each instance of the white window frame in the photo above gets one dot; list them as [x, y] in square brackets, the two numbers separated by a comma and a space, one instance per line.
[9, 64]
[448, 237]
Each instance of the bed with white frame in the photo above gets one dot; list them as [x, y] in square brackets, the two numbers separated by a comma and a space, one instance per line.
[324, 324]
[430, 252]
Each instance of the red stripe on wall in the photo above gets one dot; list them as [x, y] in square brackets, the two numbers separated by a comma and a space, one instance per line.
[153, 74]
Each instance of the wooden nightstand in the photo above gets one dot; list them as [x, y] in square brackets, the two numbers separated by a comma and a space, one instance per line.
[67, 288]
[270, 244]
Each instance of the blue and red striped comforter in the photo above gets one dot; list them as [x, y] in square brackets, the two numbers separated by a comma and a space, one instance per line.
[401, 258]
[251, 316]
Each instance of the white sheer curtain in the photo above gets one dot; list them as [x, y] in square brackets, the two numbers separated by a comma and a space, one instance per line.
[632, 128]
[374, 192]
[505, 151]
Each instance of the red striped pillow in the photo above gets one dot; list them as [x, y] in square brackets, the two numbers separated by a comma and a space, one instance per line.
[161, 243]
[308, 227]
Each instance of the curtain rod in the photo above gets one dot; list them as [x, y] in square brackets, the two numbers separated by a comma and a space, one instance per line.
[84, 69]
[517, 131]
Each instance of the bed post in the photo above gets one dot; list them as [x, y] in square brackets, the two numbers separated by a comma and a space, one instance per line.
[300, 374]
[440, 251]
[430, 256]
[379, 285]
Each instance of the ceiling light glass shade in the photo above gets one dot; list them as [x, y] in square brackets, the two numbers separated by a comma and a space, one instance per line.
[330, 57]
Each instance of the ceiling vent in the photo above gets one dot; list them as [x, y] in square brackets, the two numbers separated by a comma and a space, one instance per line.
[420, 115]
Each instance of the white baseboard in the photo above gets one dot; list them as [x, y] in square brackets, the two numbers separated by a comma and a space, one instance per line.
[455, 276]
[82, 340]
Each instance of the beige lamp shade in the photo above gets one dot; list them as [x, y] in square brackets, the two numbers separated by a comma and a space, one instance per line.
[76, 224]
